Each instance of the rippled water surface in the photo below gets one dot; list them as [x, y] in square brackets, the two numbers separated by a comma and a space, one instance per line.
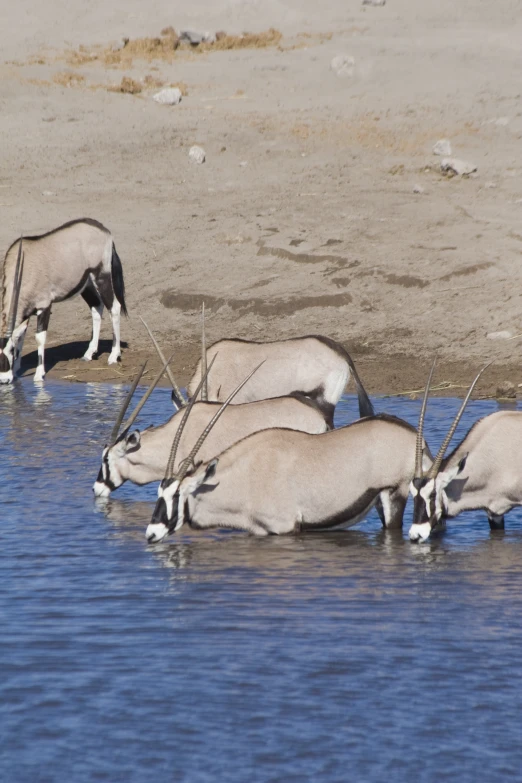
[343, 656]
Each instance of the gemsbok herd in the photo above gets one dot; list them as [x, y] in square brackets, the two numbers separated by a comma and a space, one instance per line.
[254, 447]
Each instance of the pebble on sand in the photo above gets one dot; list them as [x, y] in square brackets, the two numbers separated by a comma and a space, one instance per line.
[343, 65]
[418, 189]
[374, 2]
[442, 147]
[504, 335]
[195, 38]
[456, 166]
[197, 154]
[169, 96]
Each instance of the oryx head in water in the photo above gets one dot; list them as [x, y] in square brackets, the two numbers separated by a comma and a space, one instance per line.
[427, 488]
[109, 477]
[168, 515]
[8, 352]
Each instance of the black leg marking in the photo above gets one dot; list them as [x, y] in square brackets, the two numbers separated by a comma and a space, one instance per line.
[90, 296]
[42, 320]
[496, 521]
[104, 285]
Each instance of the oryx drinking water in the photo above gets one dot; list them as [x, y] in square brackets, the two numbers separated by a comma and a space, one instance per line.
[77, 258]
[142, 457]
[282, 481]
[484, 471]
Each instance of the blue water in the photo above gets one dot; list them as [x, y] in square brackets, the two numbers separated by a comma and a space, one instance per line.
[343, 656]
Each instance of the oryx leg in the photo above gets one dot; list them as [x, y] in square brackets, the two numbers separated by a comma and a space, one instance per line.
[90, 296]
[392, 504]
[18, 344]
[496, 521]
[104, 284]
[42, 322]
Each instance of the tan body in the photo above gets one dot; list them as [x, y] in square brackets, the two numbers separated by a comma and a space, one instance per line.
[279, 481]
[142, 457]
[314, 365]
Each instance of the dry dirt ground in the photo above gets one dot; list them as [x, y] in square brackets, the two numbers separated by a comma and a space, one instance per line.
[304, 218]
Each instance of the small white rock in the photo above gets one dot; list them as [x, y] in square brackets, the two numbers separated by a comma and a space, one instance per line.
[460, 167]
[197, 154]
[244, 163]
[169, 96]
[442, 147]
[418, 189]
[504, 335]
[47, 193]
[343, 65]
[374, 2]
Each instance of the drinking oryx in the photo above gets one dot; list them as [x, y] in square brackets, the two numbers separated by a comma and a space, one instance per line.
[483, 472]
[283, 481]
[313, 365]
[142, 457]
[76, 258]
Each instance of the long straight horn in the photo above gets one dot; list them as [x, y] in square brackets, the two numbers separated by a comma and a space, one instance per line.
[420, 428]
[173, 451]
[134, 415]
[440, 456]
[177, 391]
[187, 462]
[17, 282]
[126, 403]
[204, 390]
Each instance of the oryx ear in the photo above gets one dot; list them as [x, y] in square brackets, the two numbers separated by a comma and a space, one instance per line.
[211, 469]
[194, 482]
[447, 476]
[133, 439]
[462, 463]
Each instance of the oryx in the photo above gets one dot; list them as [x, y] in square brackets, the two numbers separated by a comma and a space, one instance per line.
[483, 472]
[314, 365]
[142, 457]
[282, 481]
[77, 258]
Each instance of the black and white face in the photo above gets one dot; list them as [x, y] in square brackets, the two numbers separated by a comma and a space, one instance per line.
[426, 511]
[430, 501]
[110, 475]
[165, 517]
[6, 360]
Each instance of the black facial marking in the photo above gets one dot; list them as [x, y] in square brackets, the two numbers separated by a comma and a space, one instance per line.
[5, 364]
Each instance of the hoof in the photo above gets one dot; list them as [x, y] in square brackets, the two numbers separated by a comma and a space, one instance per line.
[39, 375]
[114, 359]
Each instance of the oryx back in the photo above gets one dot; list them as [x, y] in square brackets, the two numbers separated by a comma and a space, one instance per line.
[314, 365]
[279, 481]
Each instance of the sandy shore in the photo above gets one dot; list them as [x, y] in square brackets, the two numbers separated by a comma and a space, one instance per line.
[321, 207]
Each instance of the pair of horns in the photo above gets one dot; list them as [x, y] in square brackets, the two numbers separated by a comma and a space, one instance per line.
[17, 283]
[134, 415]
[433, 471]
[188, 461]
[181, 400]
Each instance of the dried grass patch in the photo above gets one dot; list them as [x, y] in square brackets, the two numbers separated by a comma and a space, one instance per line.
[68, 78]
[166, 45]
[127, 85]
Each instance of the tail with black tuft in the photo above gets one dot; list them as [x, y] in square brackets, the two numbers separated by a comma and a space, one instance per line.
[117, 279]
[365, 405]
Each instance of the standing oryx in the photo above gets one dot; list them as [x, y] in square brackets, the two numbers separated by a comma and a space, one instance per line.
[282, 481]
[315, 366]
[483, 472]
[76, 258]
